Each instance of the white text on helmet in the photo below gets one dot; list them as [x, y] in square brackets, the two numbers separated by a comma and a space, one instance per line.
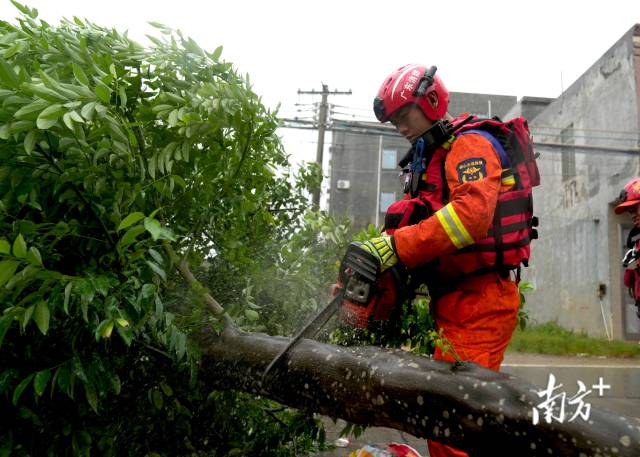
[411, 82]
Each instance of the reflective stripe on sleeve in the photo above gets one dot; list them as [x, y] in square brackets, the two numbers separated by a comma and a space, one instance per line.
[453, 226]
[507, 178]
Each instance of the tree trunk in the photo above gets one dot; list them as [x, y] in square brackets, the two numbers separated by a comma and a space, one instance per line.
[465, 405]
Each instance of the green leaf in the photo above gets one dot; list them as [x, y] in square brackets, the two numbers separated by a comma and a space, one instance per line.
[159, 25]
[161, 108]
[116, 384]
[216, 54]
[67, 295]
[28, 111]
[5, 322]
[34, 257]
[148, 290]
[6, 377]
[49, 116]
[26, 316]
[70, 117]
[130, 220]
[181, 348]
[5, 247]
[66, 118]
[126, 334]
[158, 399]
[45, 93]
[92, 397]
[23, 385]
[80, 75]
[21, 126]
[87, 292]
[251, 315]
[179, 181]
[116, 130]
[166, 389]
[123, 97]
[105, 329]
[41, 316]
[173, 118]
[131, 235]
[7, 269]
[156, 256]
[151, 167]
[88, 111]
[31, 12]
[41, 380]
[157, 269]
[186, 147]
[103, 92]
[153, 227]
[157, 231]
[20, 247]
[66, 379]
[26, 274]
[13, 50]
[7, 75]
[30, 141]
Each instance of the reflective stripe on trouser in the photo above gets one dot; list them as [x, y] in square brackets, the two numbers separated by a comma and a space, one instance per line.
[478, 320]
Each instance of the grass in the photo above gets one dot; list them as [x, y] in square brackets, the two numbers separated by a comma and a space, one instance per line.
[550, 338]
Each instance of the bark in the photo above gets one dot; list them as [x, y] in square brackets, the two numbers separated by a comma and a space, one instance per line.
[465, 405]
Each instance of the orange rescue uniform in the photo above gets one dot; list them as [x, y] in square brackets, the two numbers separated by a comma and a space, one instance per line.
[479, 315]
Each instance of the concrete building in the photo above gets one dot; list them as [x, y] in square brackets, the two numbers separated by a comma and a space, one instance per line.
[588, 143]
[588, 140]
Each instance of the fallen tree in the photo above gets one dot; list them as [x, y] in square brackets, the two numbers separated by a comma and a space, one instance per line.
[481, 411]
[108, 151]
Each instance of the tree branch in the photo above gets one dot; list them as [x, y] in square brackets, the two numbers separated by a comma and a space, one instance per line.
[137, 132]
[465, 405]
[212, 304]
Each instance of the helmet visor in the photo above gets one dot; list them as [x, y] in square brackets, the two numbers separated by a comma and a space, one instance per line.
[378, 109]
[624, 206]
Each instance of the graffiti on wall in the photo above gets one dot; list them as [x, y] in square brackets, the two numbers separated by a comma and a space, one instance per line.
[570, 193]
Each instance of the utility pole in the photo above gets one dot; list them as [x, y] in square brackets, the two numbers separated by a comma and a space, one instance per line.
[322, 125]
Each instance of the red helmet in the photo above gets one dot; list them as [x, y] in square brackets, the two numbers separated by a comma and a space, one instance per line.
[406, 85]
[629, 196]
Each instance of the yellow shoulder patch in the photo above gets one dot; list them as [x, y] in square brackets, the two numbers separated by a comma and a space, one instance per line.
[473, 169]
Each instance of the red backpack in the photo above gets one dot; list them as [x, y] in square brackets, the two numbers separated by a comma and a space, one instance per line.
[515, 137]
[514, 224]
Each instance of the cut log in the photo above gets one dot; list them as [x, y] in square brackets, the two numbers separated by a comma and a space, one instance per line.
[465, 405]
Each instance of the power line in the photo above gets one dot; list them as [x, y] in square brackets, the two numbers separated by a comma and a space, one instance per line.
[322, 121]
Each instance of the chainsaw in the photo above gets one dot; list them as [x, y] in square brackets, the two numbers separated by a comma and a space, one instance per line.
[356, 287]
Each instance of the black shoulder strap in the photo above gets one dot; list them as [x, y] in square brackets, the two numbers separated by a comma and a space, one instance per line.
[634, 235]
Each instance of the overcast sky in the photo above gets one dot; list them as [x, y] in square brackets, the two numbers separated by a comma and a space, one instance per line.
[512, 47]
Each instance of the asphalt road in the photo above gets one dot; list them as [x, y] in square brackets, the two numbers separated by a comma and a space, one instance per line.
[614, 385]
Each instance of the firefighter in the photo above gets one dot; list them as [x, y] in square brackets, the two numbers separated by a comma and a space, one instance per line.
[477, 311]
[629, 202]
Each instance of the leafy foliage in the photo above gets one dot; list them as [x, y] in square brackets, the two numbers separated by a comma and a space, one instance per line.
[551, 338]
[111, 155]
[524, 287]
